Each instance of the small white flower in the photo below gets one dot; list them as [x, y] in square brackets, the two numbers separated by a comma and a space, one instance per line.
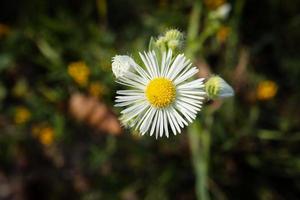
[222, 12]
[121, 65]
[218, 87]
[161, 96]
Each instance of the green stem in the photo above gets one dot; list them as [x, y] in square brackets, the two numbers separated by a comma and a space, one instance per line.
[199, 137]
[200, 147]
[232, 44]
[193, 29]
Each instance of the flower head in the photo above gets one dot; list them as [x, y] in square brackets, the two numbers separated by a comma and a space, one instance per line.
[80, 72]
[266, 90]
[161, 96]
[46, 136]
[216, 87]
[44, 133]
[121, 65]
[22, 115]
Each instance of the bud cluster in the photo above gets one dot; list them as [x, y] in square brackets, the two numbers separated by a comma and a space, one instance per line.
[172, 39]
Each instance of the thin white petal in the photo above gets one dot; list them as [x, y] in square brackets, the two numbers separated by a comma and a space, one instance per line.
[179, 59]
[154, 123]
[167, 63]
[171, 122]
[172, 115]
[182, 77]
[147, 65]
[165, 123]
[146, 122]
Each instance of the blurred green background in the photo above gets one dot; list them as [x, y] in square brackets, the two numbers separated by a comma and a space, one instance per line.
[59, 132]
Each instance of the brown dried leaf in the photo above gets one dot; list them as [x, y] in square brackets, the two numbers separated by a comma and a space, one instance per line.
[81, 106]
[95, 113]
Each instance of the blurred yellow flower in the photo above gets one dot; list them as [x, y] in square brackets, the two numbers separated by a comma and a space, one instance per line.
[46, 136]
[214, 4]
[97, 89]
[4, 30]
[266, 90]
[80, 72]
[223, 34]
[22, 115]
[44, 133]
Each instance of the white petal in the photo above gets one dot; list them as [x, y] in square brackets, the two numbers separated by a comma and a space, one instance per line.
[130, 92]
[172, 115]
[191, 85]
[182, 77]
[154, 123]
[171, 122]
[179, 118]
[167, 64]
[147, 65]
[165, 123]
[133, 111]
[184, 64]
[179, 59]
[191, 96]
[142, 72]
[146, 122]
[128, 98]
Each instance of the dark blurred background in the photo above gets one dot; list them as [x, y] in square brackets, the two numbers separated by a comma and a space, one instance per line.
[59, 133]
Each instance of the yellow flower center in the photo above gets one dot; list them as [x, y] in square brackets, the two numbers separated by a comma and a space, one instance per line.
[160, 92]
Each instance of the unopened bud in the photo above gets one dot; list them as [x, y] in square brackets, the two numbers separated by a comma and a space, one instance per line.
[173, 34]
[216, 87]
[121, 65]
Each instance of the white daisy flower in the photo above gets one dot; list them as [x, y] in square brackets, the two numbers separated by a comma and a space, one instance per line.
[161, 97]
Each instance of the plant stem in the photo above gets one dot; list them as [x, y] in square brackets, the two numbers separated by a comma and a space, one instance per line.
[199, 137]
[193, 29]
[200, 146]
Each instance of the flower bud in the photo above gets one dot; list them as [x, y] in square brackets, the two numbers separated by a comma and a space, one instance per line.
[216, 87]
[173, 34]
[173, 44]
[121, 65]
[222, 12]
[172, 39]
[160, 41]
